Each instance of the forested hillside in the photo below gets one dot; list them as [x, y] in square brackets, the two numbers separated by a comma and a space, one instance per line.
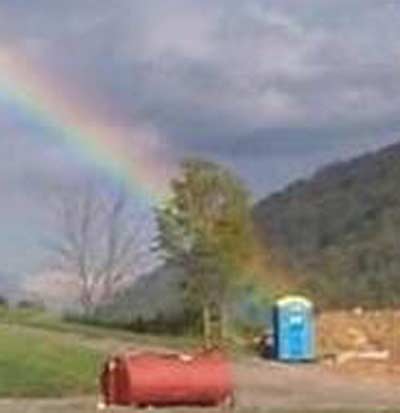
[339, 232]
[152, 296]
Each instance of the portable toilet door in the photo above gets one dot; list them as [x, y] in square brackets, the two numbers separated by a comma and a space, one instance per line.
[294, 329]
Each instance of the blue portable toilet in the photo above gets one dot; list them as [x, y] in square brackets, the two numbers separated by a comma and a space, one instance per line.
[294, 329]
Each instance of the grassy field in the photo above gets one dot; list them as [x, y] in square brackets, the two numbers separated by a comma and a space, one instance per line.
[40, 365]
[43, 356]
[52, 323]
[49, 365]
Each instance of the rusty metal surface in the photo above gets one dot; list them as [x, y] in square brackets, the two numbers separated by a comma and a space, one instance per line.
[151, 379]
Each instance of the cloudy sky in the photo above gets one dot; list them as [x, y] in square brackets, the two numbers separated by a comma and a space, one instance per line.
[273, 89]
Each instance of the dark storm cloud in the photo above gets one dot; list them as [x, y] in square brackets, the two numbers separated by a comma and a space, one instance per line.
[273, 88]
[207, 70]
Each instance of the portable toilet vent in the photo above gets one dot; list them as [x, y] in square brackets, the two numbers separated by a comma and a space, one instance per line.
[294, 330]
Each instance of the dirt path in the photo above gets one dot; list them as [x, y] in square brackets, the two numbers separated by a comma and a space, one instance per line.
[264, 387]
[304, 387]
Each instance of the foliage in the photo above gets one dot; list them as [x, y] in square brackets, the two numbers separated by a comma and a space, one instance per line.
[158, 325]
[206, 229]
[27, 304]
[3, 302]
[339, 232]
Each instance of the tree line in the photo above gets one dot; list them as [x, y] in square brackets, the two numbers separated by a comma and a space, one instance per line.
[204, 227]
[334, 238]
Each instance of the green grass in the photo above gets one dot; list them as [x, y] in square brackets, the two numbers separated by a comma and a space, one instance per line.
[43, 356]
[53, 323]
[40, 365]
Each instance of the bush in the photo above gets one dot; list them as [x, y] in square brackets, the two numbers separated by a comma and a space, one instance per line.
[26, 304]
[158, 325]
[3, 302]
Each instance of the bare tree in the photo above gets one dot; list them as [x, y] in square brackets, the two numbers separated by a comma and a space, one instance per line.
[100, 241]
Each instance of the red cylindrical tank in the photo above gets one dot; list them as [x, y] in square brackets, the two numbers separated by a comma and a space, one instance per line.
[150, 379]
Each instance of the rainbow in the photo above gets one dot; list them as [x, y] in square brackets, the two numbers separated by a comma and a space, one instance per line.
[133, 157]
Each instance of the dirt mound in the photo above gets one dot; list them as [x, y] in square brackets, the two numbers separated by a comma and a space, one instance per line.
[341, 331]
[356, 339]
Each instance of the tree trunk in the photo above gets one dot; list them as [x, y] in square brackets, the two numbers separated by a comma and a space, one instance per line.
[87, 302]
[223, 323]
[206, 325]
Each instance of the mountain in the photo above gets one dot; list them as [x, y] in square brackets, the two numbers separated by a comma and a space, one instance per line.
[337, 234]
[339, 231]
[152, 295]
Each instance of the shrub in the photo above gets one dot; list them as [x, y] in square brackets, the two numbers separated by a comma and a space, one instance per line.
[26, 304]
[3, 302]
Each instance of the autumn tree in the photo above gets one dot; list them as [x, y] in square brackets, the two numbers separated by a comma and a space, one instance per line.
[206, 228]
